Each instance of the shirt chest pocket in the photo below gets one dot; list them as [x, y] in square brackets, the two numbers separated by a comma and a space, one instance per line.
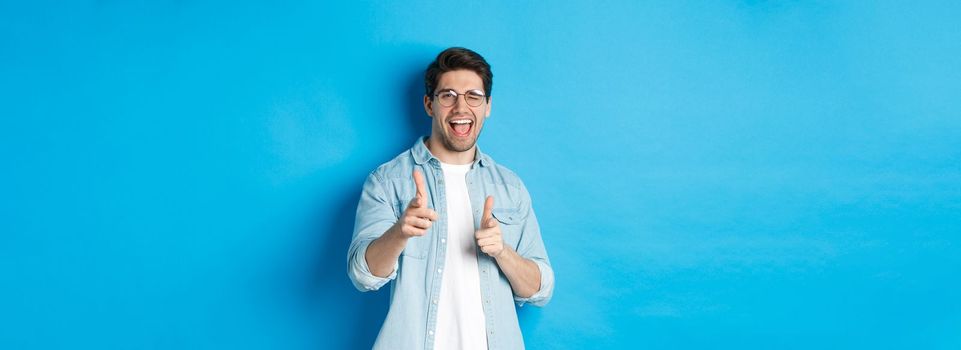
[417, 247]
[511, 223]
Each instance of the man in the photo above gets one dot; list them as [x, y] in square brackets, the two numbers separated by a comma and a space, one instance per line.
[454, 230]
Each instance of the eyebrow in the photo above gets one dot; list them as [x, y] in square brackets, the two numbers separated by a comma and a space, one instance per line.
[468, 90]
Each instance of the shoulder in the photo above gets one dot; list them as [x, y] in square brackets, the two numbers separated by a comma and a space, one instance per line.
[509, 176]
[501, 174]
[389, 177]
[398, 167]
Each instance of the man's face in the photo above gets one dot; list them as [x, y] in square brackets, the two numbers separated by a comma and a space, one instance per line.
[459, 125]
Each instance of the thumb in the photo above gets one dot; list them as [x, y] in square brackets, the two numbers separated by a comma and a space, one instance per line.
[488, 217]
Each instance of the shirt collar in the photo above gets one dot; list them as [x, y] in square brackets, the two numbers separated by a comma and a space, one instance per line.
[422, 154]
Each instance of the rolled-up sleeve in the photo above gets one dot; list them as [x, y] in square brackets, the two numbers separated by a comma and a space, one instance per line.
[547, 286]
[375, 216]
[531, 247]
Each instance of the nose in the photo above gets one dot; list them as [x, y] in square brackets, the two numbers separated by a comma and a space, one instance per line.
[460, 103]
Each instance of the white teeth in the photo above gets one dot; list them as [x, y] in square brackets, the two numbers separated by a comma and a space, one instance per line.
[461, 121]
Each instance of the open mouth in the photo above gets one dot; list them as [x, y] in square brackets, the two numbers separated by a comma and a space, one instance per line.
[461, 127]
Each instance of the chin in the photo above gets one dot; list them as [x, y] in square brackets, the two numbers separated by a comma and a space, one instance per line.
[462, 146]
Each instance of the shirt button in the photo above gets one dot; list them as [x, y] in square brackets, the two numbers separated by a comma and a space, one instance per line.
[434, 301]
[443, 240]
[439, 270]
[432, 332]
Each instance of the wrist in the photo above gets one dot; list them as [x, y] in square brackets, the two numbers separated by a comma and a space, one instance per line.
[395, 234]
[504, 254]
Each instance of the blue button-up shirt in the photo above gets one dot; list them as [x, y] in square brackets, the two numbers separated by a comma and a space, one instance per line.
[412, 318]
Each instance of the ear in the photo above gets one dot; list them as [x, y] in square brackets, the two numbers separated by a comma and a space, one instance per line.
[490, 103]
[427, 106]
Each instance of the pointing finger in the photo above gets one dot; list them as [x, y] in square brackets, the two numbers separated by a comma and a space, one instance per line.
[487, 217]
[421, 189]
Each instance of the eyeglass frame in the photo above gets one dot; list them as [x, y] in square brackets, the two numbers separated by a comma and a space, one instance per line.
[457, 95]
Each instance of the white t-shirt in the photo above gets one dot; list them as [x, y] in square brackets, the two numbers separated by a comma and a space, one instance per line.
[460, 314]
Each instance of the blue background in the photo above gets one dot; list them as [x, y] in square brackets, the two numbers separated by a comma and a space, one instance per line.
[718, 174]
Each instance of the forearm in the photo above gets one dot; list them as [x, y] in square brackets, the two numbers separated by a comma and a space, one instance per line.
[383, 252]
[523, 274]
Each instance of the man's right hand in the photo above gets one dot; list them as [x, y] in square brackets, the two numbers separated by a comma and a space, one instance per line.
[417, 218]
[383, 252]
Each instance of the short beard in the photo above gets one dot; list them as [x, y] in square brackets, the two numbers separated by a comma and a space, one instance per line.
[449, 144]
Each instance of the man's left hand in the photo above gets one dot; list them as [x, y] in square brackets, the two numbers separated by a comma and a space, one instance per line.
[489, 237]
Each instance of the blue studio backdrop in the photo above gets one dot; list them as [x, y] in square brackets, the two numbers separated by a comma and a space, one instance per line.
[716, 174]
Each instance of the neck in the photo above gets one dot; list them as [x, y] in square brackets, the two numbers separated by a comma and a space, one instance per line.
[448, 156]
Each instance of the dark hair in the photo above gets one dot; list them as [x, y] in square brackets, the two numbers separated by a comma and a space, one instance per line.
[456, 58]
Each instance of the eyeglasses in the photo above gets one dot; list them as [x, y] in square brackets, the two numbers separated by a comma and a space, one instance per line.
[448, 98]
